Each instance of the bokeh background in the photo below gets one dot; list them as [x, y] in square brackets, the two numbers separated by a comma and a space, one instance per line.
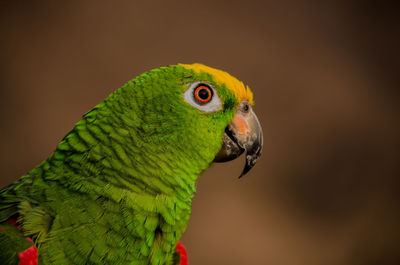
[325, 75]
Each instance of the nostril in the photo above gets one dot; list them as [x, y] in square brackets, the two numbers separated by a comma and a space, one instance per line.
[245, 106]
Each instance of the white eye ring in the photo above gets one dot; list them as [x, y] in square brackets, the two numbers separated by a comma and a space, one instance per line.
[214, 104]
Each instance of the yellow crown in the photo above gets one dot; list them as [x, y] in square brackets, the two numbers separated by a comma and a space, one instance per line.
[237, 87]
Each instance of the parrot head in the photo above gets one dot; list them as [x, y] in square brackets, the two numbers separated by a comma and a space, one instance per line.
[221, 96]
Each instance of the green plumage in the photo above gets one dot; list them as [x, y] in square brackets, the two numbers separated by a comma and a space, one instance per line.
[118, 188]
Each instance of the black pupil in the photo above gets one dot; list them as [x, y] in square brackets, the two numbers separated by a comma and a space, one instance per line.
[204, 93]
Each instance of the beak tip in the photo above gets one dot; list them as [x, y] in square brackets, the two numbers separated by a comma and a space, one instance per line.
[250, 161]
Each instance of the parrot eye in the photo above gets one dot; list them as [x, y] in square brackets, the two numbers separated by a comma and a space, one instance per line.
[203, 94]
[203, 97]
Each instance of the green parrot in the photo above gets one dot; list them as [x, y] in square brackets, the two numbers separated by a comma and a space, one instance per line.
[119, 186]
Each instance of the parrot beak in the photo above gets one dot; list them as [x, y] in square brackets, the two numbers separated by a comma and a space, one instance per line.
[244, 133]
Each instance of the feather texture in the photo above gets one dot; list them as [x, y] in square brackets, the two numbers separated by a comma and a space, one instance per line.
[119, 186]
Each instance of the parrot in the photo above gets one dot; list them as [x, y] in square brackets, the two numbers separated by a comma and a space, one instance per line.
[119, 186]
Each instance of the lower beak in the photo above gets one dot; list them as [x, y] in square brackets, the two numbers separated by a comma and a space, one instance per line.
[244, 133]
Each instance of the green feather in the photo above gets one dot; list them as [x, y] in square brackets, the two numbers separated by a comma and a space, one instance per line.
[119, 186]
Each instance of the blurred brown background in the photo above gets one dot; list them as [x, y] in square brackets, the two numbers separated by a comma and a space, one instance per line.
[326, 82]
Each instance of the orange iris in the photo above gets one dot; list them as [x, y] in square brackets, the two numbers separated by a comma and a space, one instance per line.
[203, 94]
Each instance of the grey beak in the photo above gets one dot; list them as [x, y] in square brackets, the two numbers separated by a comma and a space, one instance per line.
[244, 133]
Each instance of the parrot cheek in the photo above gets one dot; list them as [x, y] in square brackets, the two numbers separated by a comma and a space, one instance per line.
[244, 133]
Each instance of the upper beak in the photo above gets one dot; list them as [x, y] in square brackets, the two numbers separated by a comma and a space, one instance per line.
[244, 133]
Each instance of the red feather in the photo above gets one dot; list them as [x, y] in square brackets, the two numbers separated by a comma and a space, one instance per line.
[181, 250]
[28, 257]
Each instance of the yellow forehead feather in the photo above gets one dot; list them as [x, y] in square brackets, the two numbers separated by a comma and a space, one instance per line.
[237, 87]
